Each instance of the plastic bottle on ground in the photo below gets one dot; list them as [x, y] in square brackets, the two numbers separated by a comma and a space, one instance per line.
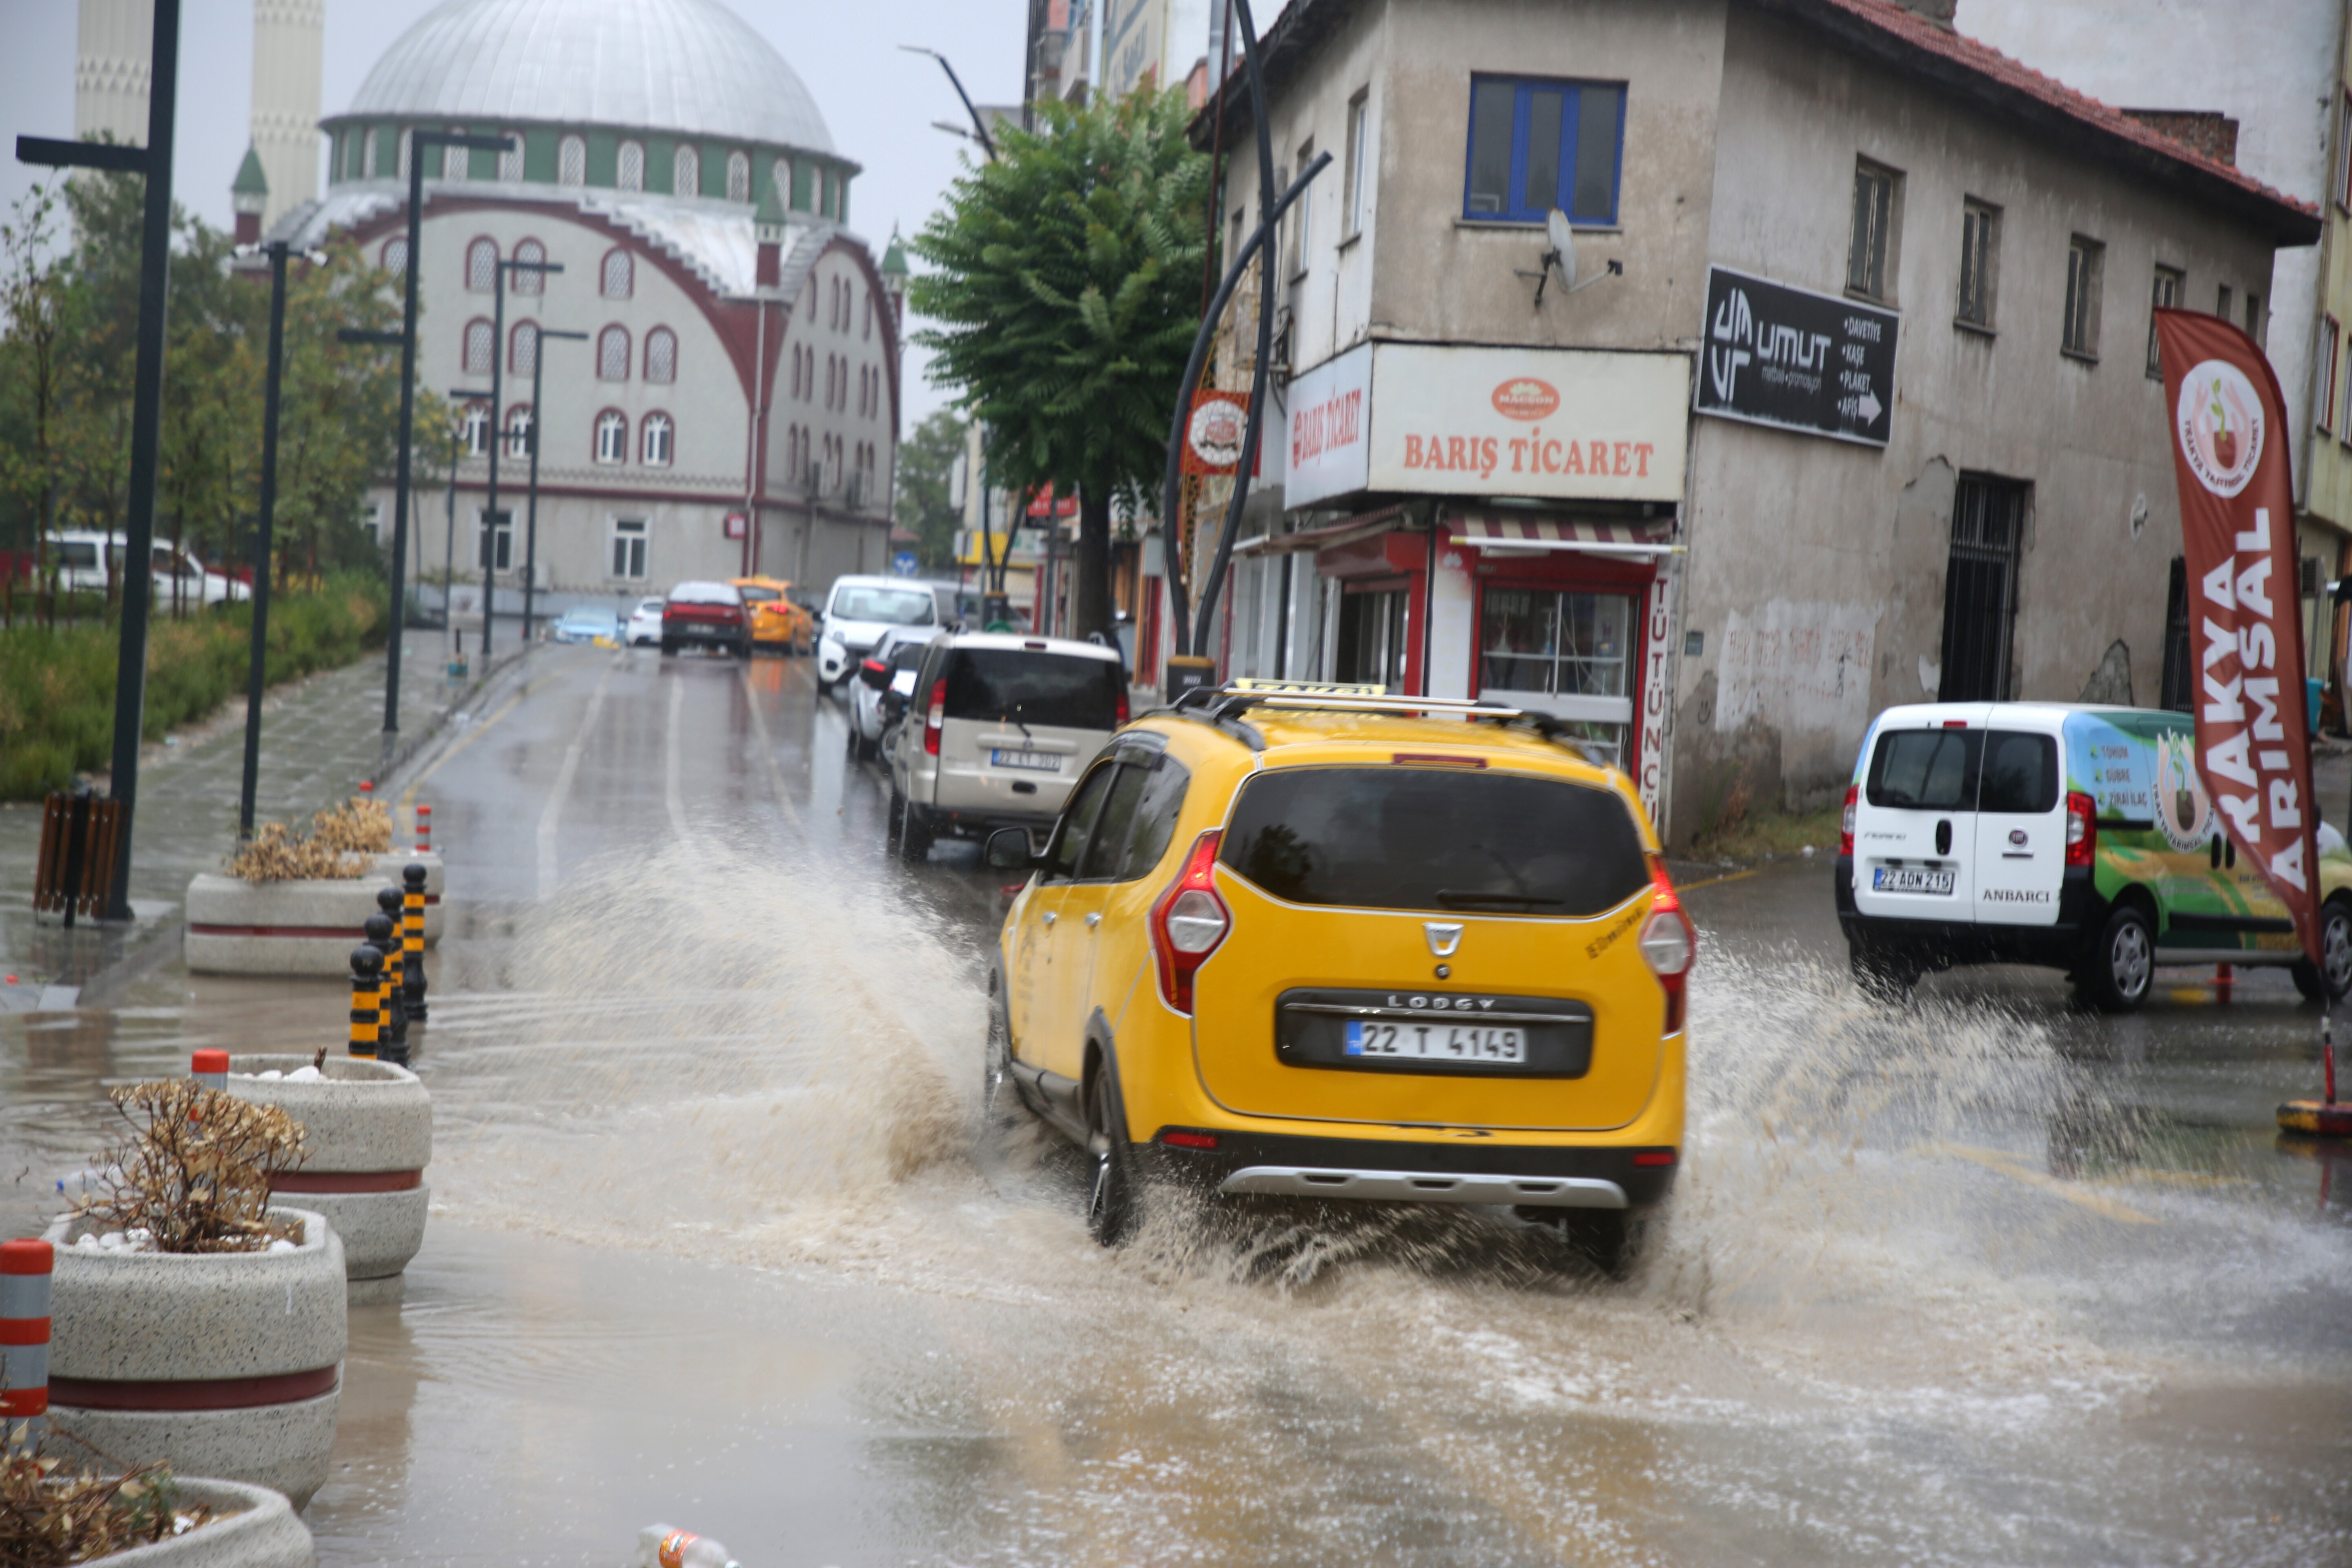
[665, 1546]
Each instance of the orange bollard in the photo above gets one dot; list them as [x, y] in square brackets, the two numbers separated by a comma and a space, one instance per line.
[424, 829]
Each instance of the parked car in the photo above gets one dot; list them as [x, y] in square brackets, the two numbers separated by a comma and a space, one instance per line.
[586, 623]
[1007, 725]
[2071, 837]
[858, 611]
[1277, 944]
[705, 614]
[778, 620]
[889, 669]
[82, 561]
[645, 624]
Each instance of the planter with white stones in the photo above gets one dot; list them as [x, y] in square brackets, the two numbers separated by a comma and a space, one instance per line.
[220, 1364]
[302, 926]
[369, 1127]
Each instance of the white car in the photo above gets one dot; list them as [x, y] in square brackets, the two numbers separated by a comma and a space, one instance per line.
[858, 611]
[645, 624]
[84, 563]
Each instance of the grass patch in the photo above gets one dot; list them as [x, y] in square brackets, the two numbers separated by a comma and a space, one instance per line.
[57, 689]
[1760, 835]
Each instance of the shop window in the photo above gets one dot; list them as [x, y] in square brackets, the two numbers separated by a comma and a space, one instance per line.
[1372, 637]
[1536, 145]
[629, 547]
[1564, 652]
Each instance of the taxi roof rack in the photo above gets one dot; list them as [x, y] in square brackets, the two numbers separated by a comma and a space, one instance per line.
[1225, 705]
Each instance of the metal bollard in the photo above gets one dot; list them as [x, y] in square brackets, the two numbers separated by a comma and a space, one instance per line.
[412, 940]
[367, 975]
[25, 1270]
[394, 1046]
[424, 829]
[209, 1068]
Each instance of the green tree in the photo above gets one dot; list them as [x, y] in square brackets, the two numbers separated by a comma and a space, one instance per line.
[1065, 284]
[927, 461]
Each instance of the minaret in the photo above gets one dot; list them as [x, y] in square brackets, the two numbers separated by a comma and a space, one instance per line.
[894, 278]
[114, 39]
[249, 197]
[288, 59]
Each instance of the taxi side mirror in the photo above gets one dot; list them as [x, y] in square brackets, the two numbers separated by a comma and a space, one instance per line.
[1008, 850]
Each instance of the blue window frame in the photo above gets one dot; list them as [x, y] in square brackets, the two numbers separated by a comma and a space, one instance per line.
[1537, 145]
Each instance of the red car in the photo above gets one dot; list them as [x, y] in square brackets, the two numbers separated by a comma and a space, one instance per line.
[705, 614]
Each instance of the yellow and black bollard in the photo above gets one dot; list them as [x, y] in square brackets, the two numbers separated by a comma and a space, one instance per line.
[395, 992]
[412, 940]
[367, 978]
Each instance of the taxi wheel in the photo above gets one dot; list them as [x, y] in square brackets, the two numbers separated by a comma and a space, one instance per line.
[997, 1096]
[2333, 979]
[1113, 1199]
[2121, 966]
[1609, 1240]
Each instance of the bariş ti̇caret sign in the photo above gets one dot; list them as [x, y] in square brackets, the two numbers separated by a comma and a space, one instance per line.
[2245, 625]
[1796, 359]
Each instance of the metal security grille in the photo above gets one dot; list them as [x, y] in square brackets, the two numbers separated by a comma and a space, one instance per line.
[2176, 693]
[1980, 588]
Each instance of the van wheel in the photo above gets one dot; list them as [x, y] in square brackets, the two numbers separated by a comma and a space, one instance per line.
[2333, 979]
[2121, 966]
[1884, 974]
[1113, 1202]
[914, 832]
[892, 815]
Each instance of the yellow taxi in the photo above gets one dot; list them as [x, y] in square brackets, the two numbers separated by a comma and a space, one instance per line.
[777, 618]
[1342, 946]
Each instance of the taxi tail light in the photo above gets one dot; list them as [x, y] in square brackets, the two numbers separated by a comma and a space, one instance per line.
[1185, 1138]
[2082, 827]
[1845, 823]
[1189, 922]
[1669, 942]
[935, 717]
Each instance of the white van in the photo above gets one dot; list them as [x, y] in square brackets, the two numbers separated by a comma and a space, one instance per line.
[88, 562]
[858, 611]
[2071, 837]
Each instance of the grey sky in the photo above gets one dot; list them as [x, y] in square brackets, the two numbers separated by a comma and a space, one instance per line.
[878, 102]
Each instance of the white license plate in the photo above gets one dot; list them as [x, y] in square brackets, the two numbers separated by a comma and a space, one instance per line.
[1911, 880]
[1034, 762]
[1435, 1042]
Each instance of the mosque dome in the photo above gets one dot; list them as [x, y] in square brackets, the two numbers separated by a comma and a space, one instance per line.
[692, 66]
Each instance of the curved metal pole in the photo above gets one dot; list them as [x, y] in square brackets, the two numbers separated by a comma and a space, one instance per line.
[1181, 622]
[979, 126]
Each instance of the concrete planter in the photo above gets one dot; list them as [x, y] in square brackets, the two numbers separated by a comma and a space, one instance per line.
[252, 1527]
[306, 927]
[225, 1365]
[370, 1128]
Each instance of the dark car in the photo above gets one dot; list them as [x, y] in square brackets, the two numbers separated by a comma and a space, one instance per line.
[705, 614]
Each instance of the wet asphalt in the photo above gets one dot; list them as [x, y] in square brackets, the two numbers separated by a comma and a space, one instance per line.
[719, 1240]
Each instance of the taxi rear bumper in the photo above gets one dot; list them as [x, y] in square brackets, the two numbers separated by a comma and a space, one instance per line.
[1387, 1171]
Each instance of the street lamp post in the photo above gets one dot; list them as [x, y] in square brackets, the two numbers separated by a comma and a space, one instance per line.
[449, 536]
[497, 361]
[530, 525]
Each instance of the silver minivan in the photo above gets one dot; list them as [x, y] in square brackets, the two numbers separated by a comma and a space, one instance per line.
[858, 611]
[997, 733]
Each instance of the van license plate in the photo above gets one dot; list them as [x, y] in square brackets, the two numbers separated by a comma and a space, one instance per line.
[1911, 880]
[1435, 1042]
[1035, 761]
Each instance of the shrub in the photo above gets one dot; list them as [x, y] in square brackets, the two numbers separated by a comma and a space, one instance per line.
[193, 1170]
[50, 1517]
[334, 846]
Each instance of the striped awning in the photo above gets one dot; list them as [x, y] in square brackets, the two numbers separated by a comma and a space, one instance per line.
[1508, 532]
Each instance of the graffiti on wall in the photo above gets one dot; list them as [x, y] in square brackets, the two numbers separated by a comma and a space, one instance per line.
[1796, 666]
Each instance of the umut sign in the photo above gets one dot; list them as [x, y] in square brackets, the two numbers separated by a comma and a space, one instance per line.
[1438, 419]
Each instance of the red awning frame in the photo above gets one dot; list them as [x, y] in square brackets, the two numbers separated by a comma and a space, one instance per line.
[1503, 534]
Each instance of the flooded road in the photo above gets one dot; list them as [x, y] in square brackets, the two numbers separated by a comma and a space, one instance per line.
[718, 1237]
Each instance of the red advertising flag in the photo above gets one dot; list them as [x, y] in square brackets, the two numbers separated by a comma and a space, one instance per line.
[2245, 627]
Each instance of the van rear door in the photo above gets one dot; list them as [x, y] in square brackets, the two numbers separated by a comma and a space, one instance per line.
[1915, 834]
[2021, 856]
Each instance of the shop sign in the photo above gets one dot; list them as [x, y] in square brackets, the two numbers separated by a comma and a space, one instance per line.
[1213, 435]
[1650, 767]
[1441, 419]
[1797, 360]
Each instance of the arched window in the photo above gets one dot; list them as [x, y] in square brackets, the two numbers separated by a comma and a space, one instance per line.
[407, 145]
[686, 171]
[522, 347]
[661, 354]
[868, 330]
[475, 433]
[367, 155]
[739, 177]
[481, 347]
[655, 440]
[482, 266]
[523, 282]
[783, 183]
[613, 354]
[518, 428]
[396, 254]
[630, 173]
[572, 162]
[510, 160]
[612, 436]
[619, 276]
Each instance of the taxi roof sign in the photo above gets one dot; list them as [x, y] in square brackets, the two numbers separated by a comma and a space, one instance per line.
[1307, 688]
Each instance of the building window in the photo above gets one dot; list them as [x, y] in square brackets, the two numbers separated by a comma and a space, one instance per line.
[1302, 253]
[629, 173]
[510, 160]
[494, 536]
[2254, 317]
[572, 162]
[521, 280]
[661, 354]
[2343, 181]
[474, 432]
[654, 439]
[456, 162]
[518, 426]
[2221, 301]
[2085, 258]
[482, 266]
[481, 347]
[613, 354]
[629, 547]
[1359, 121]
[2330, 345]
[782, 182]
[612, 436]
[739, 177]
[619, 276]
[1869, 248]
[1980, 262]
[1567, 652]
[1536, 145]
[2164, 294]
[407, 148]
[367, 155]
[522, 348]
[686, 171]
[1980, 589]
[396, 254]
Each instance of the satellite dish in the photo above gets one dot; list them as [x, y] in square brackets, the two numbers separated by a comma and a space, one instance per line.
[1563, 245]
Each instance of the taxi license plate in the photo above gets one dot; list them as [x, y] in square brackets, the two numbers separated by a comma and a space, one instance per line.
[1911, 880]
[1417, 1041]
[1035, 761]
